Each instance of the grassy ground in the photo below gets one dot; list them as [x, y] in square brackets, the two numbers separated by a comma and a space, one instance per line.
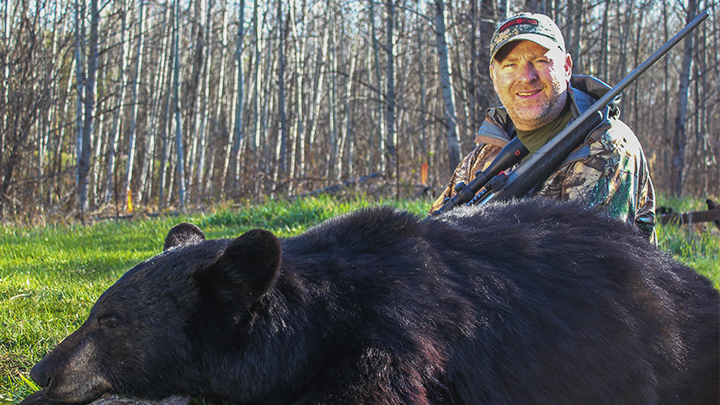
[50, 276]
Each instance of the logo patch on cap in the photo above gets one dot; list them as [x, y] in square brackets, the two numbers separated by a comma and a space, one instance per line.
[538, 28]
[518, 21]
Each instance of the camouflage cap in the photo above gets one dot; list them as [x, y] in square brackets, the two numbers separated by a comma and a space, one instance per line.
[537, 28]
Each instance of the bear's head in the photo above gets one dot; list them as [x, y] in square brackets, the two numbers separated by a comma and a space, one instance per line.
[140, 338]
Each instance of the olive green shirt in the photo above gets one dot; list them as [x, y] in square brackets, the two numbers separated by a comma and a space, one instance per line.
[534, 140]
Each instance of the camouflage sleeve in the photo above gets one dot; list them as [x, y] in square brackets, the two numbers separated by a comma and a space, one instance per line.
[476, 160]
[612, 175]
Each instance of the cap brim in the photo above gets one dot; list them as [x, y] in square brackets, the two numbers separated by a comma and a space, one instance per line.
[542, 40]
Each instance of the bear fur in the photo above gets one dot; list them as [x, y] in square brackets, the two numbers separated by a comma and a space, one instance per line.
[534, 302]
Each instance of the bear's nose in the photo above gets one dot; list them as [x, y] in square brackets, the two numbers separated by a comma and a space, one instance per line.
[40, 374]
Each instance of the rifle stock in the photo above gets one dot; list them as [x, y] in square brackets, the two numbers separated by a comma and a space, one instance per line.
[540, 165]
[509, 156]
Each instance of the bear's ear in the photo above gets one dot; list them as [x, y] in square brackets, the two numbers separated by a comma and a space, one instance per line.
[248, 266]
[183, 234]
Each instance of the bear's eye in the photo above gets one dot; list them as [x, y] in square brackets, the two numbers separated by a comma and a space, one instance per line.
[109, 321]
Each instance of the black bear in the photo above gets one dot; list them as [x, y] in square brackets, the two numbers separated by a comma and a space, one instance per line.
[533, 302]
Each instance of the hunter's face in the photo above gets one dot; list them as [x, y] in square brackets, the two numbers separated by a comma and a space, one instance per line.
[531, 82]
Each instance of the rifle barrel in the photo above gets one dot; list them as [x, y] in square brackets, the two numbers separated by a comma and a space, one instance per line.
[615, 91]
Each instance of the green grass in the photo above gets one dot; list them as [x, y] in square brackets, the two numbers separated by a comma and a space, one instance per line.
[50, 276]
[49, 279]
[697, 245]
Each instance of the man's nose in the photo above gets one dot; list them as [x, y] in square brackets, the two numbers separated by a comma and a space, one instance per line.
[529, 72]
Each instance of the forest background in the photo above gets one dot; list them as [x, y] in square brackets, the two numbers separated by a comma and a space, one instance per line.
[173, 103]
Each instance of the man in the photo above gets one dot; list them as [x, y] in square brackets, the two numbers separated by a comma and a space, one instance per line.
[532, 75]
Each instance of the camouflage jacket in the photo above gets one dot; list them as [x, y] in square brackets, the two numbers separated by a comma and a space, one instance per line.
[609, 171]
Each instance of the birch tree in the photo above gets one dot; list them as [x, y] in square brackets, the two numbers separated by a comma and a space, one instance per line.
[88, 105]
[134, 104]
[332, 105]
[177, 112]
[236, 138]
[318, 91]
[120, 97]
[4, 79]
[680, 136]
[282, 118]
[257, 94]
[299, 46]
[201, 127]
[445, 69]
[379, 83]
[390, 139]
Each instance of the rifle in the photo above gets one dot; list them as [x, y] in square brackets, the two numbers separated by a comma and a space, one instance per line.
[508, 156]
[669, 216]
[541, 164]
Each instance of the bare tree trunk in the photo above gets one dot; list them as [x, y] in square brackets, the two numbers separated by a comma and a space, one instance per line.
[629, 14]
[80, 82]
[3, 86]
[117, 116]
[4, 61]
[423, 97]
[604, 68]
[473, 66]
[633, 120]
[257, 94]
[219, 188]
[85, 142]
[380, 96]
[332, 116]
[163, 77]
[454, 154]
[680, 136]
[201, 127]
[169, 115]
[146, 186]
[708, 159]
[576, 29]
[317, 93]
[133, 107]
[503, 9]
[282, 38]
[532, 6]
[58, 147]
[488, 14]
[176, 108]
[349, 137]
[257, 85]
[548, 9]
[194, 89]
[298, 166]
[266, 167]
[236, 135]
[51, 115]
[666, 136]
[390, 139]
[97, 140]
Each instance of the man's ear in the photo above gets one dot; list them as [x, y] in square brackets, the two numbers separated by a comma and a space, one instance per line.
[183, 234]
[568, 67]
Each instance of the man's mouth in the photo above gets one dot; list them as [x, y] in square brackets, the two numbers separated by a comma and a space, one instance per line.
[528, 93]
